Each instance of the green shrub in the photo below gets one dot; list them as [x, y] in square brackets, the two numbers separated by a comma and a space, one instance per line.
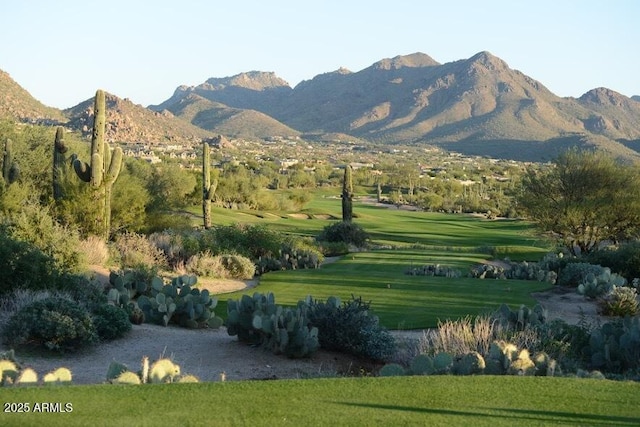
[350, 328]
[55, 324]
[624, 260]
[88, 293]
[621, 301]
[111, 322]
[35, 225]
[346, 232]
[333, 248]
[238, 266]
[251, 241]
[564, 342]
[24, 266]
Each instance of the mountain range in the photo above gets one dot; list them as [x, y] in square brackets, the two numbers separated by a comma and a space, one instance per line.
[476, 106]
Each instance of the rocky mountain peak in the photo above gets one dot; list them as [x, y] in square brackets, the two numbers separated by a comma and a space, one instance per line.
[254, 80]
[488, 61]
[604, 96]
[414, 60]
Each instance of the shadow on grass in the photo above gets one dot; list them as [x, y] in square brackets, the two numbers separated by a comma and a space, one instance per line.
[513, 414]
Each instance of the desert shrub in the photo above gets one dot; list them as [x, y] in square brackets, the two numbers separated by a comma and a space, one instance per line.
[564, 342]
[87, 292]
[205, 265]
[36, 226]
[159, 221]
[333, 248]
[350, 328]
[13, 302]
[111, 322]
[624, 260]
[346, 232]
[55, 324]
[225, 266]
[621, 301]
[252, 241]
[238, 266]
[95, 250]
[574, 273]
[24, 266]
[177, 246]
[135, 250]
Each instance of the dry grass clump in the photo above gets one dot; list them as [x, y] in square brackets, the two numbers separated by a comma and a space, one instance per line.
[95, 250]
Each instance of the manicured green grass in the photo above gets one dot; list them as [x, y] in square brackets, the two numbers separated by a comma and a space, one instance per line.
[391, 226]
[401, 301]
[433, 401]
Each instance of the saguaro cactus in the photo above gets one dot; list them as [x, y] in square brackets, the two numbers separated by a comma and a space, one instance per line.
[208, 188]
[347, 195]
[59, 163]
[104, 168]
[10, 170]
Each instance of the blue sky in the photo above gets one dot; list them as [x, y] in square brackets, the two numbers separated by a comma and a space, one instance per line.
[62, 51]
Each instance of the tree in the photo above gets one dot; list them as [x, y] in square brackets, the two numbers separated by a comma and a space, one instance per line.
[584, 199]
[170, 187]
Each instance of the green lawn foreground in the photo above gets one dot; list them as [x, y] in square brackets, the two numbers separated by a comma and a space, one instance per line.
[433, 401]
[401, 301]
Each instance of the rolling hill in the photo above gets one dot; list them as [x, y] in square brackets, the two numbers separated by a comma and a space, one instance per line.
[128, 122]
[18, 104]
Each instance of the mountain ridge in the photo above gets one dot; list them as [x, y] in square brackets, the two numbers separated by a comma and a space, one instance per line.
[478, 104]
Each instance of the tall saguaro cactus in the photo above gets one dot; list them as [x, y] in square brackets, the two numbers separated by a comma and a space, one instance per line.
[59, 163]
[208, 188]
[104, 168]
[10, 170]
[347, 195]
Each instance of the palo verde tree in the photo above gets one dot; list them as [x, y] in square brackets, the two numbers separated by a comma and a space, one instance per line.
[347, 195]
[585, 199]
[104, 168]
[208, 188]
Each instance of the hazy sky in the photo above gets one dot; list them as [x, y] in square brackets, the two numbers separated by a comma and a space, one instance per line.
[62, 51]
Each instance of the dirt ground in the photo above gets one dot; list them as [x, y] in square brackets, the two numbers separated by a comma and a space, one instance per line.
[213, 354]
